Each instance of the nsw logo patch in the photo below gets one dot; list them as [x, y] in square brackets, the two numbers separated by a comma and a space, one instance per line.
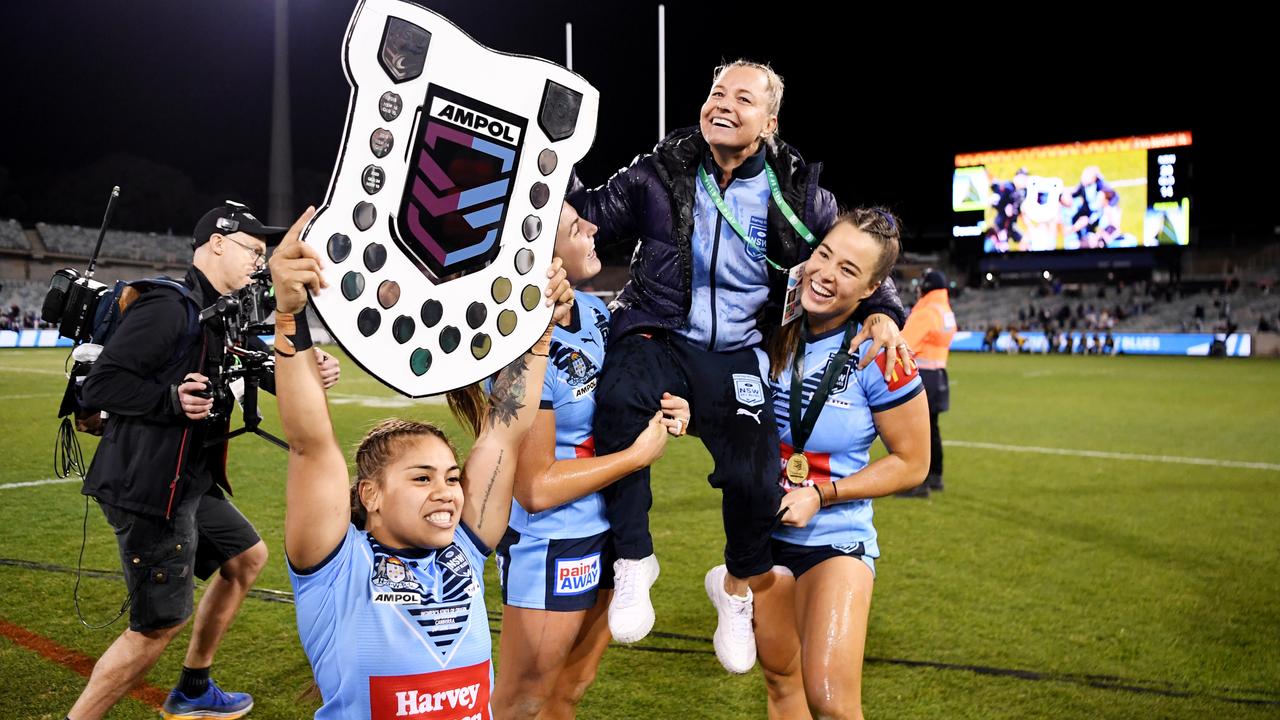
[748, 389]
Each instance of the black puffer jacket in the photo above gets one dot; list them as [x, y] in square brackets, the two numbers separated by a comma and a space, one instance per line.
[652, 201]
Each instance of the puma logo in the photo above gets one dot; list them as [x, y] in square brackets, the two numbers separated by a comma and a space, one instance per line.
[753, 415]
[589, 339]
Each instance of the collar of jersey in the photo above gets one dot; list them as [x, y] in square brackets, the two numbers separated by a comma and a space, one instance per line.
[749, 168]
[415, 553]
[837, 330]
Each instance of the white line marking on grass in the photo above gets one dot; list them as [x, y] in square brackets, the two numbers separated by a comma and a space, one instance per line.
[36, 371]
[374, 401]
[34, 483]
[1115, 455]
[29, 397]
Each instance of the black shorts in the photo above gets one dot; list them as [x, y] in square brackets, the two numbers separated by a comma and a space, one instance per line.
[161, 558]
[224, 533]
[799, 559]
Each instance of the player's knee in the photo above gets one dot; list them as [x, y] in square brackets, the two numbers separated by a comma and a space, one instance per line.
[830, 704]
[572, 692]
[780, 684]
[526, 694]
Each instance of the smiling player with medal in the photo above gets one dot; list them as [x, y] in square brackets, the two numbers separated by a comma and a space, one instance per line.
[811, 611]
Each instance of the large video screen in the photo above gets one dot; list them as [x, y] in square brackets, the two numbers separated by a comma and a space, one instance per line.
[1121, 193]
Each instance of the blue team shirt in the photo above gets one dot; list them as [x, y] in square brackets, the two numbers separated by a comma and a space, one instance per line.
[841, 440]
[397, 634]
[569, 388]
[730, 277]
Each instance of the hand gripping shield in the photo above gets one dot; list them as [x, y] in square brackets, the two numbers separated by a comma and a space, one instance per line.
[440, 218]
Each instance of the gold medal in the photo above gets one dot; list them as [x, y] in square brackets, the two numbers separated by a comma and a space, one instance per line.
[797, 468]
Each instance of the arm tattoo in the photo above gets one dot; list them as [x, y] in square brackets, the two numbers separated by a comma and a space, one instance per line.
[507, 397]
[484, 502]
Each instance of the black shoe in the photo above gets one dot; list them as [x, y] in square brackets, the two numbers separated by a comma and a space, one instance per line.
[919, 491]
[934, 483]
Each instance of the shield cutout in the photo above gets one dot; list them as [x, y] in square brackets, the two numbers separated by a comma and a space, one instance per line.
[464, 161]
[441, 213]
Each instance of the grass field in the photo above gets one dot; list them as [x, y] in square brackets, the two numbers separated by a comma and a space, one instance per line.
[1039, 585]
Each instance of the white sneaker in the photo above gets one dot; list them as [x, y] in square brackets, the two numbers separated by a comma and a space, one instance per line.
[631, 613]
[735, 640]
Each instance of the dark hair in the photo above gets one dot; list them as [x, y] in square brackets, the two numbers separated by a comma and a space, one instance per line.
[885, 228]
[376, 450]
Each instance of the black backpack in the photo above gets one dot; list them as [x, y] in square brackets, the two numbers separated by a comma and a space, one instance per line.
[110, 311]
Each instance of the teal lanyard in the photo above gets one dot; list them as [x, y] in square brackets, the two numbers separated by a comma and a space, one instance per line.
[775, 191]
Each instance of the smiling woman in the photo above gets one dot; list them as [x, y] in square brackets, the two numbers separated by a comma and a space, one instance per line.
[723, 211]
[812, 608]
[400, 567]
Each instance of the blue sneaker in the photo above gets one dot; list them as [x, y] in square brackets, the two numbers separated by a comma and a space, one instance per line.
[214, 703]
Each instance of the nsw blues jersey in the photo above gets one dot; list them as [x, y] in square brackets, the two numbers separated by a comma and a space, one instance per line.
[569, 388]
[397, 634]
[841, 440]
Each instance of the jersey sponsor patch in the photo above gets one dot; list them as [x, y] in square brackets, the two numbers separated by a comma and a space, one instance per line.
[748, 389]
[458, 694]
[443, 613]
[586, 389]
[575, 576]
[899, 378]
[396, 598]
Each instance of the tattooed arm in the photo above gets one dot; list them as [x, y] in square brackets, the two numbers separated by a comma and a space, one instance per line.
[489, 474]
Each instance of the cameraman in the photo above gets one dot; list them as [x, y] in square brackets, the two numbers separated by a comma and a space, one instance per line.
[158, 484]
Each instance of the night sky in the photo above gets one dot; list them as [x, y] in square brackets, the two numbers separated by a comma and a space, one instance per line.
[171, 99]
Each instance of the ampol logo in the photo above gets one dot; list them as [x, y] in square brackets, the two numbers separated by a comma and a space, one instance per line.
[462, 169]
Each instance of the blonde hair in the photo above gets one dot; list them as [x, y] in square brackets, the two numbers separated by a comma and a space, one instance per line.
[773, 81]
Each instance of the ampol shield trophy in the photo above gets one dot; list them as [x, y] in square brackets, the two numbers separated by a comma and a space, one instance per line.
[440, 218]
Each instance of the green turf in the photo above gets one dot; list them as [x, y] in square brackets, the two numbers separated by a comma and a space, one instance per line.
[1035, 586]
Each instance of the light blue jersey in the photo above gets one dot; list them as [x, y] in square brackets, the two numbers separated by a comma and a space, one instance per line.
[841, 440]
[397, 634]
[569, 388]
[730, 276]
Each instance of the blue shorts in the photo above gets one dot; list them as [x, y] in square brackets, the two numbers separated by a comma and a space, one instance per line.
[562, 575]
[798, 559]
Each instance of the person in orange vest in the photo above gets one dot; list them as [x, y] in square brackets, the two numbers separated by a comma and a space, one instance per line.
[929, 330]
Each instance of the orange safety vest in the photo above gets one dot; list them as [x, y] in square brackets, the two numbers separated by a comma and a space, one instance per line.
[929, 330]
